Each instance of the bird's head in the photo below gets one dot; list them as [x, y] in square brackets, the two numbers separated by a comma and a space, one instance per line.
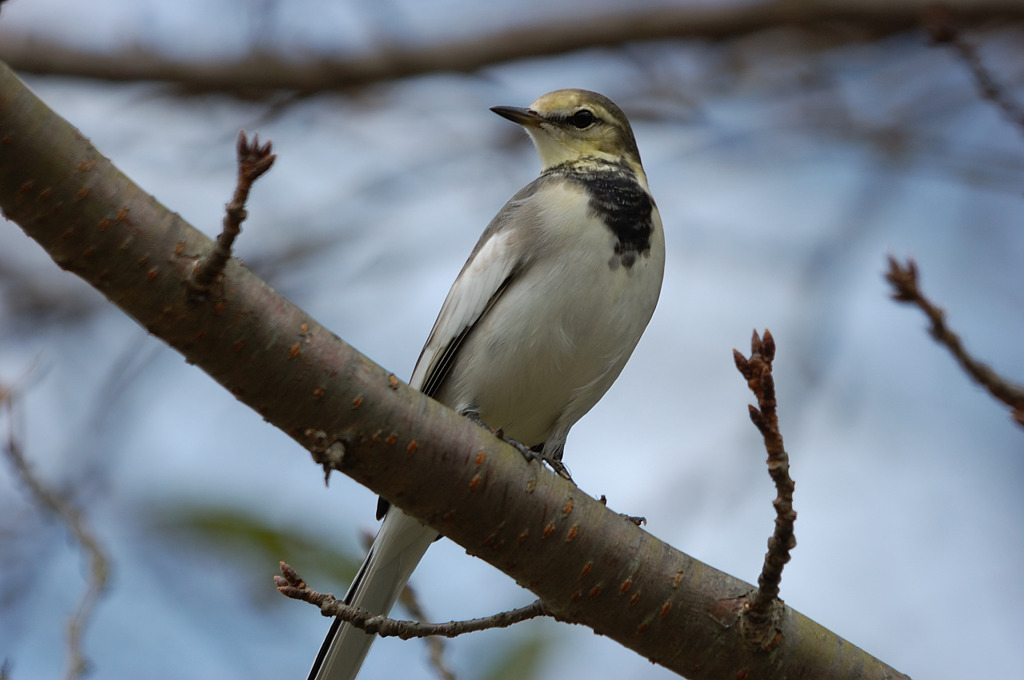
[574, 125]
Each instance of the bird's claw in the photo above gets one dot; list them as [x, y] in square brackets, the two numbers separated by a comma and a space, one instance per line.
[528, 453]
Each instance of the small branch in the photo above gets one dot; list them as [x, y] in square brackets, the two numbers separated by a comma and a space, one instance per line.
[253, 161]
[291, 585]
[409, 600]
[435, 644]
[99, 568]
[760, 607]
[943, 31]
[903, 279]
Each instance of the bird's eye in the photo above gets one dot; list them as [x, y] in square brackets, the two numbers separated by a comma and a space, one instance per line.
[582, 118]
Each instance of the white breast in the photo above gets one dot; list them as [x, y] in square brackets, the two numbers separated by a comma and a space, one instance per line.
[561, 332]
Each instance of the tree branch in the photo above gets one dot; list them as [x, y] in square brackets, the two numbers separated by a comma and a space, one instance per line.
[253, 161]
[262, 70]
[291, 585]
[903, 279]
[763, 604]
[588, 564]
[51, 501]
[435, 645]
[943, 31]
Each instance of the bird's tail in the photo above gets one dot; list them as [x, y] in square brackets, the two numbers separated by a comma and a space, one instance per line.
[398, 548]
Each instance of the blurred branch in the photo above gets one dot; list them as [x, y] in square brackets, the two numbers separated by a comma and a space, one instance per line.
[291, 585]
[586, 563]
[763, 605]
[903, 279]
[50, 500]
[262, 70]
[943, 31]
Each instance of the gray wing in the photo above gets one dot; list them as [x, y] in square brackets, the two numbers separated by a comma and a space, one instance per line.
[499, 256]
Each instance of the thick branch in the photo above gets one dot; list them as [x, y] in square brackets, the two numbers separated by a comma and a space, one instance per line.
[586, 563]
[271, 71]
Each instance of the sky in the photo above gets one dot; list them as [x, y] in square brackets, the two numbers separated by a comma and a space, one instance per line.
[785, 173]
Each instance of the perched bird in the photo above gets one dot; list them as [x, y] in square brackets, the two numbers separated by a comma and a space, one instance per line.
[539, 322]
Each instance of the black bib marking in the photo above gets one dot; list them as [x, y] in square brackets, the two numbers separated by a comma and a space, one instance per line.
[622, 204]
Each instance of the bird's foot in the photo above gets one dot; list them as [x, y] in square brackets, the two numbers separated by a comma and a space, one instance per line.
[529, 453]
[532, 454]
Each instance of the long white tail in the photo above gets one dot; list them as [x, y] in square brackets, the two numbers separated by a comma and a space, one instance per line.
[398, 548]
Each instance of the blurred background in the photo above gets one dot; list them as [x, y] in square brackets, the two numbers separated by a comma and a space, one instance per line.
[791, 147]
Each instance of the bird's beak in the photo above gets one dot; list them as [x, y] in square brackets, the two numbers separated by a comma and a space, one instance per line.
[516, 114]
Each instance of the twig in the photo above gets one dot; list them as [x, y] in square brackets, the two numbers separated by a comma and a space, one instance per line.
[291, 585]
[760, 606]
[435, 644]
[99, 569]
[903, 279]
[409, 600]
[253, 161]
[943, 31]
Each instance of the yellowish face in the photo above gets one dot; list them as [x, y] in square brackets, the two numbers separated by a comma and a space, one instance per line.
[576, 124]
[570, 125]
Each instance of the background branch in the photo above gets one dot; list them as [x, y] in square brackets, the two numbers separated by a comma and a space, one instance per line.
[264, 70]
[50, 500]
[903, 279]
[943, 29]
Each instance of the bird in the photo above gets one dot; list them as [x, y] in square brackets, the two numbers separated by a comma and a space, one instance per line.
[538, 324]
